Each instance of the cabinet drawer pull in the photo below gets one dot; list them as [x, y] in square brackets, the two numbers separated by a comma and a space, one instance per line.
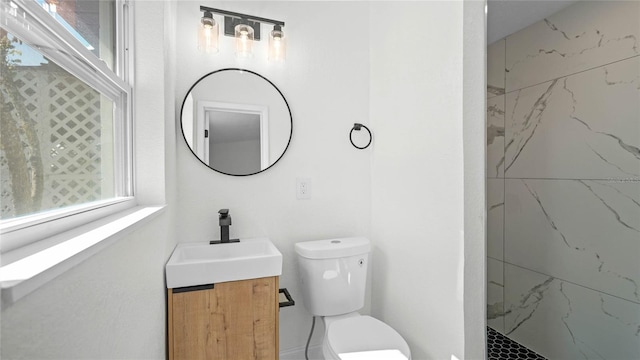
[193, 288]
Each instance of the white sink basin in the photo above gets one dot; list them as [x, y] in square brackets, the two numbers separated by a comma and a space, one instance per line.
[200, 263]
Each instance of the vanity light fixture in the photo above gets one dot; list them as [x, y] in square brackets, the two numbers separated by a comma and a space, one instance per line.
[208, 34]
[244, 34]
[277, 44]
[246, 29]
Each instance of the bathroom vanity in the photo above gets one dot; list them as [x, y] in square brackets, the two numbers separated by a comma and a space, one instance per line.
[229, 320]
[223, 300]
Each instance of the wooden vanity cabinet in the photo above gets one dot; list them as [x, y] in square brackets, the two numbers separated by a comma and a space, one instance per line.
[234, 320]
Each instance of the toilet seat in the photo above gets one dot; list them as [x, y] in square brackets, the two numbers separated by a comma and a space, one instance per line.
[363, 333]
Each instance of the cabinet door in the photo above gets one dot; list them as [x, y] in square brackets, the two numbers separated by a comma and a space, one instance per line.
[234, 320]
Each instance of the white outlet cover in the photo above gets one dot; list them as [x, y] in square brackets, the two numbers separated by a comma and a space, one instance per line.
[303, 188]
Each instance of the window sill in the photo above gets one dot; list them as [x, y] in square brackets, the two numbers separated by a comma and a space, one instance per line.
[21, 277]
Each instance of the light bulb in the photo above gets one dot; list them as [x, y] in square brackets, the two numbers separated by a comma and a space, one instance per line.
[244, 40]
[208, 34]
[277, 44]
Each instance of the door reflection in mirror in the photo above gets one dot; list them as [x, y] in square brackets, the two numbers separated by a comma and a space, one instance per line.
[235, 137]
[234, 142]
[236, 122]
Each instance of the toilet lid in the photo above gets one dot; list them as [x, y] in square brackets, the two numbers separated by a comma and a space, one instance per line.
[364, 333]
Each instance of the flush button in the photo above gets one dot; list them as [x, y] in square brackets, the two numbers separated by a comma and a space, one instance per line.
[335, 241]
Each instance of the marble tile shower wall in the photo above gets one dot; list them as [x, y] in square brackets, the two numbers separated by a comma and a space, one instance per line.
[563, 167]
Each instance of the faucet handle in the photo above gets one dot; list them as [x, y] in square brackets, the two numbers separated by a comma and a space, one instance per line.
[223, 213]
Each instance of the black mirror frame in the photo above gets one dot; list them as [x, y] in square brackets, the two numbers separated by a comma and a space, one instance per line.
[264, 78]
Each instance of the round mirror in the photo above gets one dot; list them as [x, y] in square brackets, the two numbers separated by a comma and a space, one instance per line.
[236, 122]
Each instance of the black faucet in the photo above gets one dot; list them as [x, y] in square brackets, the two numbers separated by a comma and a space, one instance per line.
[225, 222]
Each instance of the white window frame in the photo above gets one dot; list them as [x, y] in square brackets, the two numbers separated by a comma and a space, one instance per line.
[31, 23]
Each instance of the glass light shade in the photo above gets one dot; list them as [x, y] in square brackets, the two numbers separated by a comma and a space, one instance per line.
[277, 45]
[208, 34]
[244, 40]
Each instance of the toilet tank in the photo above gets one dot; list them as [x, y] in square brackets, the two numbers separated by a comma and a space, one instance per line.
[333, 274]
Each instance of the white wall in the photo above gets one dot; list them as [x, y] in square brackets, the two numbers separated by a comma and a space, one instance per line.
[408, 90]
[417, 173]
[406, 192]
[474, 144]
[325, 81]
[112, 306]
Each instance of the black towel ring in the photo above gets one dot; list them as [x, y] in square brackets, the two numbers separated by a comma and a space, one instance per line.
[357, 127]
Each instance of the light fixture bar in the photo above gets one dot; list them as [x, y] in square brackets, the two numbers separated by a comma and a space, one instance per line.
[245, 29]
[242, 16]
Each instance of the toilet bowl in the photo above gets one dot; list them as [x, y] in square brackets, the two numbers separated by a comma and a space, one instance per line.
[362, 335]
[334, 274]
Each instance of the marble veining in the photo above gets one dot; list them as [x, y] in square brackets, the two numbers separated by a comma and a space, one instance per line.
[566, 314]
[495, 131]
[495, 218]
[634, 151]
[555, 28]
[496, 206]
[563, 183]
[495, 294]
[494, 90]
[549, 219]
[495, 137]
[528, 125]
[495, 69]
[546, 231]
[577, 342]
[527, 305]
[630, 198]
[553, 129]
[608, 206]
[584, 36]
[600, 43]
[619, 81]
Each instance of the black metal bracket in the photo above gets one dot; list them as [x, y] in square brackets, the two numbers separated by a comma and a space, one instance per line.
[290, 301]
[358, 127]
[231, 22]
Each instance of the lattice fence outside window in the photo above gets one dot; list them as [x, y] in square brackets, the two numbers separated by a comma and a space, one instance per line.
[66, 116]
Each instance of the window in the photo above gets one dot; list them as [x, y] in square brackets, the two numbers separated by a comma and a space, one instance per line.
[65, 97]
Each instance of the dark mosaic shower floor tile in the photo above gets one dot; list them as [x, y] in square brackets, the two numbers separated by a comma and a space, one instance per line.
[501, 347]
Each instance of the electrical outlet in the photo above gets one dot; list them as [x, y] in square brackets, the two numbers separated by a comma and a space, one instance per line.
[303, 188]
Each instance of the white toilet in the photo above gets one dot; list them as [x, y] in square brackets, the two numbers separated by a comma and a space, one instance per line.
[334, 275]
